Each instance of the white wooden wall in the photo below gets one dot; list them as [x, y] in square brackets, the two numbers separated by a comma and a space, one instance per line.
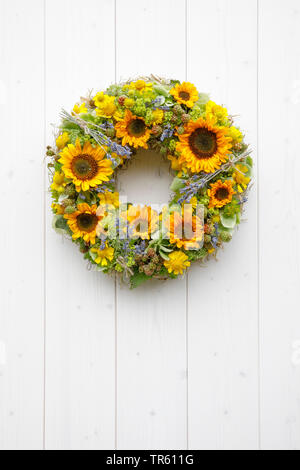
[208, 362]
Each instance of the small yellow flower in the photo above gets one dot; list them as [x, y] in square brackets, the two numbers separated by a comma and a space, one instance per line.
[58, 182]
[105, 105]
[103, 256]
[240, 177]
[78, 109]
[213, 110]
[235, 134]
[140, 85]
[58, 209]
[176, 166]
[211, 250]
[128, 103]
[157, 116]
[109, 198]
[62, 140]
[177, 263]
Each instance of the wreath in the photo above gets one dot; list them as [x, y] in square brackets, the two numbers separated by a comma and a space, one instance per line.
[209, 159]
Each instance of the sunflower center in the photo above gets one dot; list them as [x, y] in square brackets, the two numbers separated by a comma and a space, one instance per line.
[221, 194]
[184, 95]
[87, 222]
[136, 127]
[84, 167]
[203, 143]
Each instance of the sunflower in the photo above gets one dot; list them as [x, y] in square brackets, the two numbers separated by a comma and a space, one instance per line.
[103, 255]
[142, 221]
[177, 262]
[204, 146]
[220, 193]
[86, 166]
[133, 130]
[83, 222]
[185, 93]
[185, 231]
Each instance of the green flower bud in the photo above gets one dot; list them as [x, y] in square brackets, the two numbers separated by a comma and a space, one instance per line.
[225, 236]
[70, 209]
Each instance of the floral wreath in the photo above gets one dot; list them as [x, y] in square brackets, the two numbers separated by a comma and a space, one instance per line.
[211, 165]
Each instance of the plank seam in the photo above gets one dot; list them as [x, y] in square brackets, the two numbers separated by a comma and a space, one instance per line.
[44, 227]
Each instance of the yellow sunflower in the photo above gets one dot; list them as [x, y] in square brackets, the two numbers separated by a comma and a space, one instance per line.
[186, 232]
[177, 262]
[83, 222]
[133, 130]
[204, 146]
[185, 93]
[220, 193]
[86, 166]
[142, 221]
[104, 255]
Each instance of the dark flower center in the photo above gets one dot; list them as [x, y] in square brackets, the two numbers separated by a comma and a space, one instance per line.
[136, 127]
[203, 143]
[84, 167]
[221, 194]
[184, 95]
[87, 222]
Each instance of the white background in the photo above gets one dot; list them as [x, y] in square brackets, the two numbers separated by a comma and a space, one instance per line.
[211, 361]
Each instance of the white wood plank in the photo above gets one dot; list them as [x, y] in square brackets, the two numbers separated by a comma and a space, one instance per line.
[222, 313]
[279, 199]
[21, 236]
[80, 402]
[151, 323]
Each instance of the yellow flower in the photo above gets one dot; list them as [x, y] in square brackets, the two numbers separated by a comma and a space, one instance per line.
[128, 103]
[87, 167]
[83, 223]
[178, 261]
[185, 93]
[143, 221]
[157, 116]
[103, 256]
[210, 250]
[58, 209]
[176, 166]
[204, 146]
[58, 182]
[235, 134]
[240, 177]
[62, 140]
[105, 105]
[133, 130]
[185, 231]
[78, 109]
[109, 198]
[140, 85]
[213, 110]
[220, 193]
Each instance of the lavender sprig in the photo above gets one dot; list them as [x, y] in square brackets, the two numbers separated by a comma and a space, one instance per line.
[98, 136]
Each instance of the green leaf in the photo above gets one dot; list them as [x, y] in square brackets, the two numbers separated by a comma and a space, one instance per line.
[137, 279]
[249, 161]
[228, 222]
[177, 184]
[163, 255]
[59, 224]
[203, 98]
[161, 90]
